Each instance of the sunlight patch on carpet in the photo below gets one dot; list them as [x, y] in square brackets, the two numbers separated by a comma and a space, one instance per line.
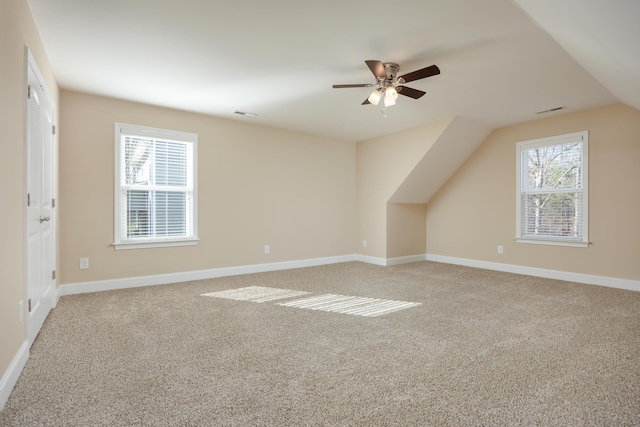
[357, 306]
[256, 294]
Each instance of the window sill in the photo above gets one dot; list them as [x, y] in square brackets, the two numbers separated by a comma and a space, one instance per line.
[154, 244]
[553, 242]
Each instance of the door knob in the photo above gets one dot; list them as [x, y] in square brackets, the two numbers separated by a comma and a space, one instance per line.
[44, 218]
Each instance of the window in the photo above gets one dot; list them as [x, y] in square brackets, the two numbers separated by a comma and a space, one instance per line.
[552, 192]
[155, 187]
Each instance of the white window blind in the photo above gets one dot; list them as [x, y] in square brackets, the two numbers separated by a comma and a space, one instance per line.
[155, 187]
[552, 190]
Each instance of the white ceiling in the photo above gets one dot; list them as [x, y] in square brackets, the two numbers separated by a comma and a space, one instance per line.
[501, 60]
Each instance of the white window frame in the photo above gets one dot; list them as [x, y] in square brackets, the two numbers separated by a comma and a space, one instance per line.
[521, 147]
[120, 240]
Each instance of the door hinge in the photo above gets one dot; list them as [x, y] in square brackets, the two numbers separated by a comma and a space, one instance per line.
[53, 203]
[29, 305]
[32, 94]
[53, 129]
[53, 275]
[28, 199]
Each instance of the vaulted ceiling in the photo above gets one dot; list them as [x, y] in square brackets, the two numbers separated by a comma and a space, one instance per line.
[502, 61]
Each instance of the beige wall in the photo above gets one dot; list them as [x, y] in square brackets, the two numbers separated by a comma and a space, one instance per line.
[475, 211]
[17, 31]
[406, 229]
[257, 186]
[382, 166]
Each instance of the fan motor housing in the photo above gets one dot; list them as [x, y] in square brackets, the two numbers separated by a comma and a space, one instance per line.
[391, 70]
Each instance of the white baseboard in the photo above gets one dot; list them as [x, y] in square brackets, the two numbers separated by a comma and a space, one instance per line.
[386, 262]
[610, 282]
[10, 377]
[163, 279]
[406, 259]
[372, 260]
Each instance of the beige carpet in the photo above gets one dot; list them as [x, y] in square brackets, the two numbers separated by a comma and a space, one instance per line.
[481, 348]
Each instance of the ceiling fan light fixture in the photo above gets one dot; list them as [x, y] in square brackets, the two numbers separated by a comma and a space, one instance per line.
[391, 93]
[390, 96]
[375, 96]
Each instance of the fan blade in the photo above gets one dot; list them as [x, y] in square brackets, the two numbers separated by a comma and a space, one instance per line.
[354, 85]
[365, 102]
[420, 74]
[377, 69]
[410, 92]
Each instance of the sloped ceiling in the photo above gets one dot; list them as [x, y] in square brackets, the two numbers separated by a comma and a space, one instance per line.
[461, 138]
[603, 36]
[279, 58]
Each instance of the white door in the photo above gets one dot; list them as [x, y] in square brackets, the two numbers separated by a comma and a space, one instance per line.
[40, 194]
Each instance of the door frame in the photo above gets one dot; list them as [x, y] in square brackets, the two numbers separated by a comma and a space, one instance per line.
[33, 326]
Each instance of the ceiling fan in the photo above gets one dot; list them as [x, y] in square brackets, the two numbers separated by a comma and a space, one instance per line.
[388, 84]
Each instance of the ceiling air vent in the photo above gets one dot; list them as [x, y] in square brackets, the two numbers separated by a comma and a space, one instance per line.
[551, 110]
[243, 113]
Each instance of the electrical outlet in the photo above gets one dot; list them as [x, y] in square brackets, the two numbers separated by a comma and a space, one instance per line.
[267, 249]
[500, 249]
[84, 263]
[364, 243]
[20, 310]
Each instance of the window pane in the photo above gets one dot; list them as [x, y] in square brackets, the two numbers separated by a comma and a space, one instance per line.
[171, 209]
[170, 163]
[137, 213]
[137, 164]
[156, 213]
[552, 214]
[556, 167]
[152, 162]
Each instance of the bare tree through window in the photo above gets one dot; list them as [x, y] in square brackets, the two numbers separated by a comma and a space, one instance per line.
[552, 189]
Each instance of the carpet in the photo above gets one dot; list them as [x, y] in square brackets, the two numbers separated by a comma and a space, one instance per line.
[482, 348]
